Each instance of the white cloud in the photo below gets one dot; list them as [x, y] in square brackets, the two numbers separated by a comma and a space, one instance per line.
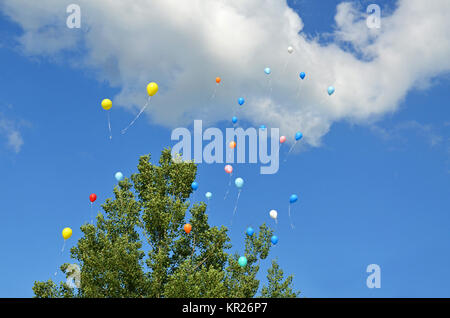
[15, 140]
[8, 129]
[184, 45]
[402, 132]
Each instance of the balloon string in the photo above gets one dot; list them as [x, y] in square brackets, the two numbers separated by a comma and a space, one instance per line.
[289, 212]
[62, 250]
[92, 217]
[323, 100]
[269, 84]
[284, 68]
[109, 126]
[214, 93]
[235, 207]
[290, 150]
[231, 155]
[142, 110]
[64, 244]
[298, 91]
[285, 65]
[228, 188]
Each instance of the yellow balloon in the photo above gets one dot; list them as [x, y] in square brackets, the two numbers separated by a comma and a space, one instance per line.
[67, 233]
[106, 104]
[152, 88]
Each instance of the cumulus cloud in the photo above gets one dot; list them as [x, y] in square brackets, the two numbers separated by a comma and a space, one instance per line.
[184, 45]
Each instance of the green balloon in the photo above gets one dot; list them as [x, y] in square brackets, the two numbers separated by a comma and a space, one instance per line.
[242, 261]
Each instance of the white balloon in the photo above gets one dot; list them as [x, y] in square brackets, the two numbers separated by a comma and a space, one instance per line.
[273, 214]
[290, 49]
[118, 176]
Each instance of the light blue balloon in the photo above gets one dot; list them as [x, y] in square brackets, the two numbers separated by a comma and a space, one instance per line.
[241, 101]
[298, 135]
[267, 70]
[242, 261]
[239, 182]
[208, 195]
[234, 119]
[274, 239]
[262, 127]
[118, 176]
[293, 198]
[302, 75]
[194, 185]
[250, 231]
[330, 90]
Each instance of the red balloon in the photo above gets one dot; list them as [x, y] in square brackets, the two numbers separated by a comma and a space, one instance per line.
[93, 197]
[228, 169]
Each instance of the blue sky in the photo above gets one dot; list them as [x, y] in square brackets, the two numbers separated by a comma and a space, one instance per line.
[371, 193]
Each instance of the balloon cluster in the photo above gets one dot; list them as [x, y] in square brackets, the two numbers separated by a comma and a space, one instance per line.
[152, 88]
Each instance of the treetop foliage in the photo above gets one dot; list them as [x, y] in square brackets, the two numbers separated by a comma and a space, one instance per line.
[138, 247]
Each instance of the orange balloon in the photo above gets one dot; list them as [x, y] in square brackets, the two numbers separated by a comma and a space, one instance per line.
[217, 80]
[187, 228]
[232, 144]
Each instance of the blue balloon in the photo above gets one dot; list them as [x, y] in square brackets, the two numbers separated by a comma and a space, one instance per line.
[234, 119]
[250, 231]
[241, 101]
[194, 185]
[262, 127]
[242, 261]
[239, 182]
[208, 195]
[330, 90]
[302, 75]
[298, 135]
[293, 198]
[274, 239]
[267, 70]
[118, 176]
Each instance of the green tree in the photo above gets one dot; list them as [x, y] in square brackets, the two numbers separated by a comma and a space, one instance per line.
[138, 248]
[278, 288]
